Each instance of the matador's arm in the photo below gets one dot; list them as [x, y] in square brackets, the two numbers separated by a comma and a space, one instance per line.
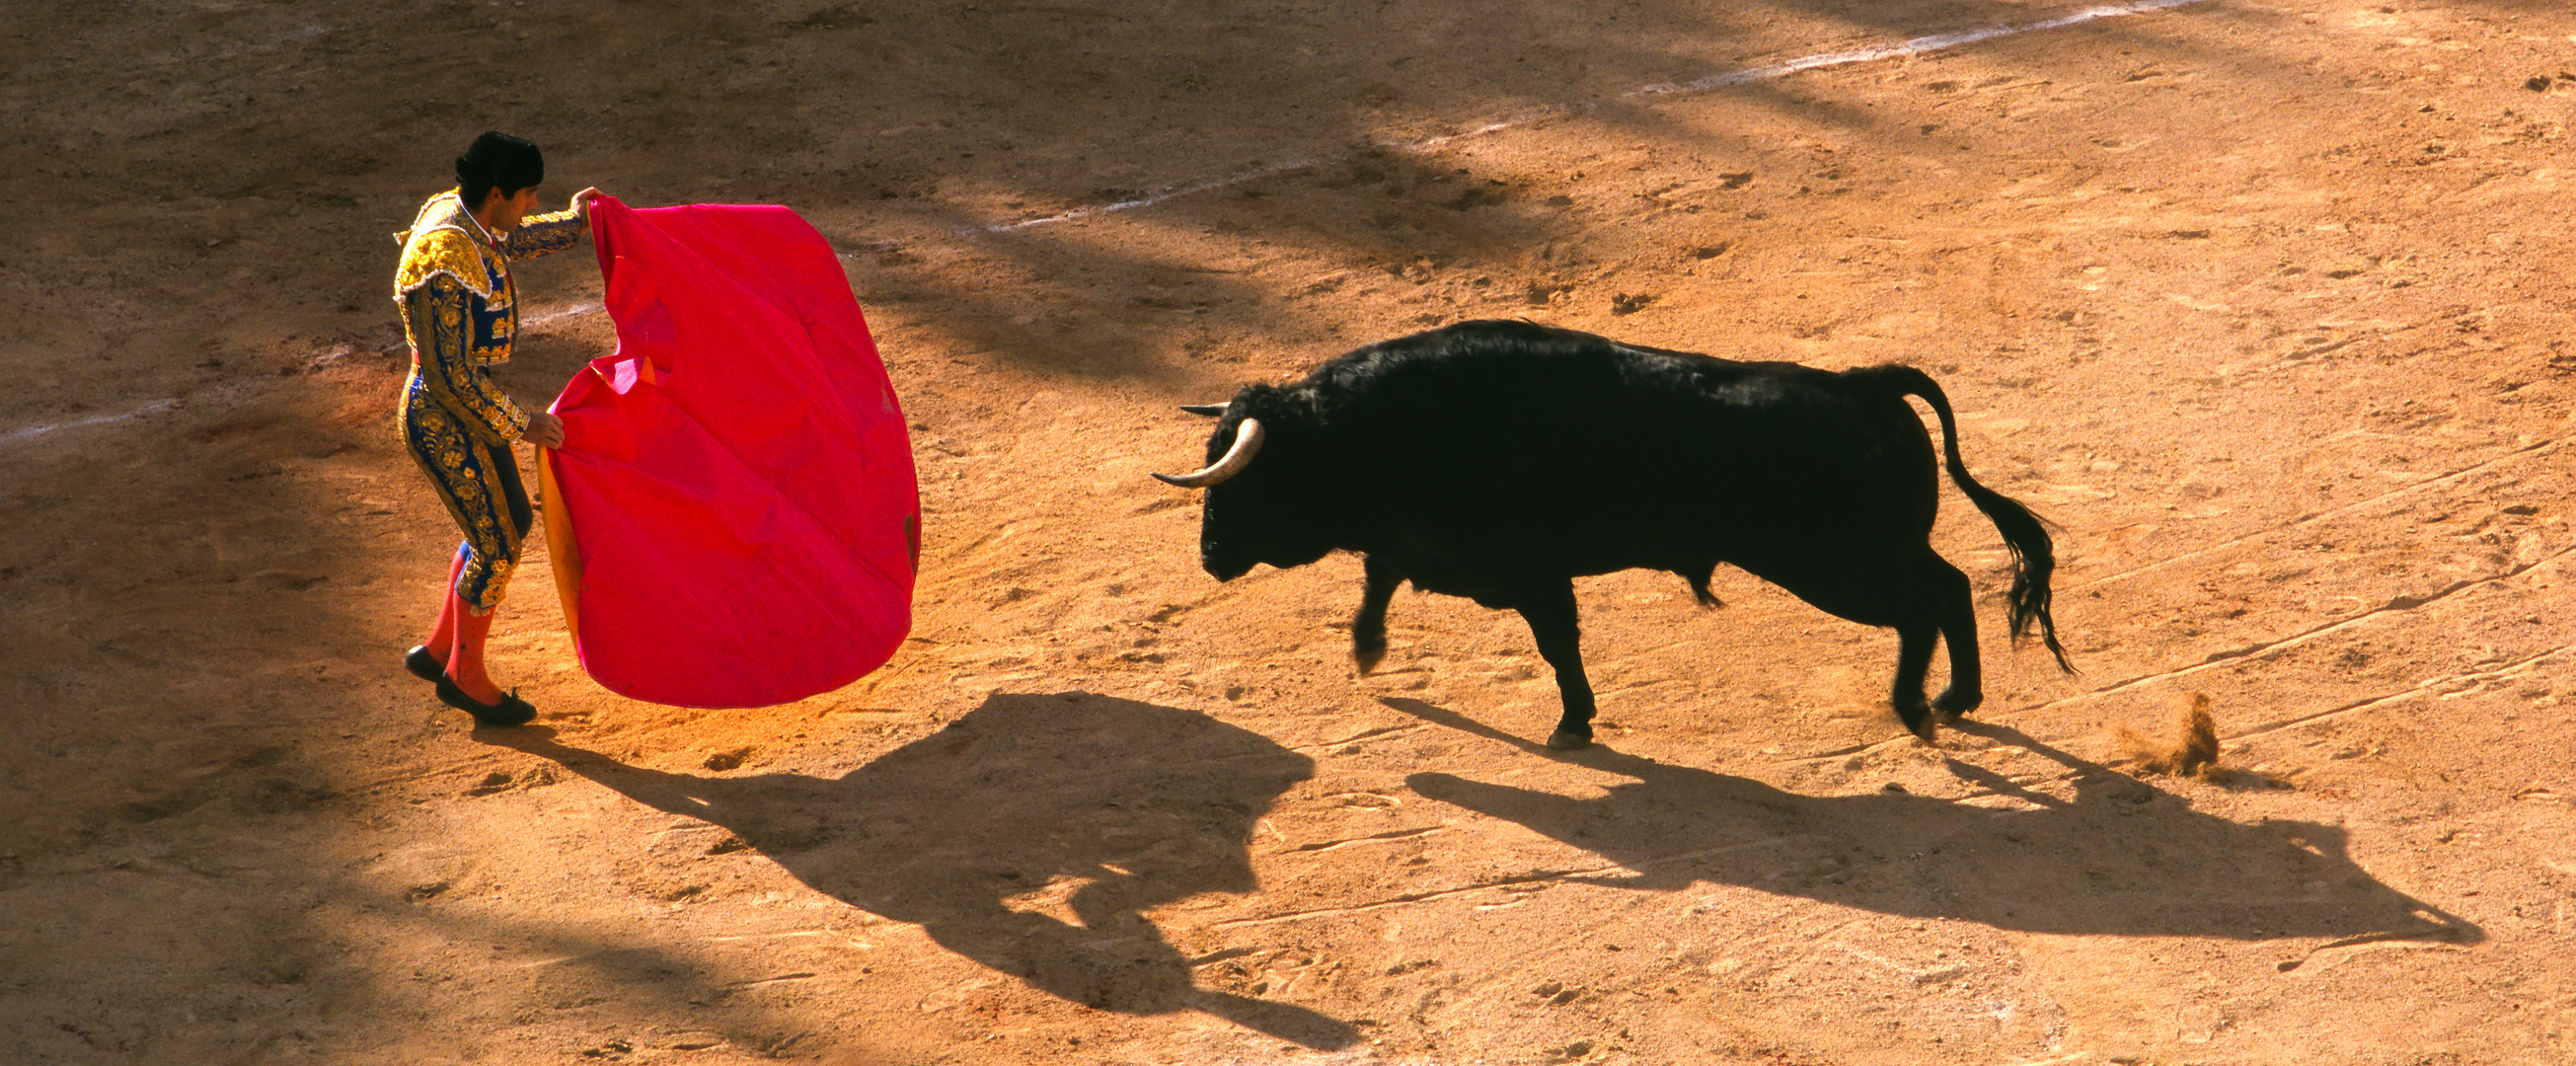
[438, 310]
[547, 234]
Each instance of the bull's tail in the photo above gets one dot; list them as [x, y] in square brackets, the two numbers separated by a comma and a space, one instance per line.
[2034, 558]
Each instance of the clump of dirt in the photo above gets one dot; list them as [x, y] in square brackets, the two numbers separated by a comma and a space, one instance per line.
[2194, 754]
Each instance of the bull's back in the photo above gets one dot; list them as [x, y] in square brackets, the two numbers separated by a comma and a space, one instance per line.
[1546, 444]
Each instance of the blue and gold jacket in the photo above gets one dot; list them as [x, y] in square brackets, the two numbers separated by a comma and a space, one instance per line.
[460, 309]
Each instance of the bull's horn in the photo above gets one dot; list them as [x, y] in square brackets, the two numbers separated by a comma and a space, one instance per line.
[1212, 410]
[1247, 440]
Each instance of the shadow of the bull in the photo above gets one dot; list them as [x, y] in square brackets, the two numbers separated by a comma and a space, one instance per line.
[2120, 857]
[1147, 804]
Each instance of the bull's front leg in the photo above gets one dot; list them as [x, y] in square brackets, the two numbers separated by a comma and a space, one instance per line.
[1368, 628]
[1551, 617]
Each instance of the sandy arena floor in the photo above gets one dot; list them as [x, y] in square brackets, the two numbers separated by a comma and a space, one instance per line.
[2262, 301]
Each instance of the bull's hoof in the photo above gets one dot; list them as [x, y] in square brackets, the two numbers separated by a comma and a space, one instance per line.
[1564, 741]
[1927, 730]
[1368, 658]
[1953, 703]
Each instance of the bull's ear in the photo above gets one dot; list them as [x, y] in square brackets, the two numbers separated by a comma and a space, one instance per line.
[1211, 410]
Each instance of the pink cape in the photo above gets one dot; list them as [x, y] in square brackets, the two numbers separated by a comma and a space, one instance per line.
[733, 516]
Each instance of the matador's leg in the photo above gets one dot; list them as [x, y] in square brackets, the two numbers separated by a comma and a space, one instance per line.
[428, 660]
[484, 575]
[480, 485]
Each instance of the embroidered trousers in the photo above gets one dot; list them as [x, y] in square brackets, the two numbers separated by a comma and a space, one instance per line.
[481, 487]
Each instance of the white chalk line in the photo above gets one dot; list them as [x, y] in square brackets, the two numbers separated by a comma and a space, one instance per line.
[25, 434]
[1726, 79]
[551, 317]
[1916, 46]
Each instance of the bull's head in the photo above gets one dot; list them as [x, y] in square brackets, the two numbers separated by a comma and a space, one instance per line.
[1253, 513]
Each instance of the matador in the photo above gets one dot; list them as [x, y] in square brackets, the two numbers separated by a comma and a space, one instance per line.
[460, 312]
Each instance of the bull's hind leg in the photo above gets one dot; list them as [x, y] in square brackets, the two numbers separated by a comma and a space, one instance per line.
[1900, 590]
[1551, 617]
[1368, 628]
[1958, 611]
[1914, 640]
[1931, 601]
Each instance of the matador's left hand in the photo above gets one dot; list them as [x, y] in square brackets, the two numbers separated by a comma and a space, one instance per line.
[581, 202]
[544, 430]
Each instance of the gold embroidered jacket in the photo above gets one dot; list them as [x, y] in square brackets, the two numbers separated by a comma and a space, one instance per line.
[460, 308]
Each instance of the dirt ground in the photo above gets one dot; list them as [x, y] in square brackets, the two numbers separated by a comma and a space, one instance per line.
[2261, 302]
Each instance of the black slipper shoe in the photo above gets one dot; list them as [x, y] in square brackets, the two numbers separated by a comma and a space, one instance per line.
[422, 664]
[509, 712]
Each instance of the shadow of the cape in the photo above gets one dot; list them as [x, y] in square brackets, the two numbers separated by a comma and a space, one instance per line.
[1140, 804]
[2120, 857]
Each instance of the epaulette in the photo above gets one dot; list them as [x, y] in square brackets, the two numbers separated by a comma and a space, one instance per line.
[448, 251]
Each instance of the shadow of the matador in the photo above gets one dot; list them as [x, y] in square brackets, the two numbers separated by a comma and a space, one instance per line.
[1149, 804]
[2120, 857]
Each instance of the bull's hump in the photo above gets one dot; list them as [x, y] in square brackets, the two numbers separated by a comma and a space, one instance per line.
[1491, 364]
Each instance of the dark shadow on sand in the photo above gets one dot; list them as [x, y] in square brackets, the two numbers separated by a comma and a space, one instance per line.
[2121, 857]
[1147, 804]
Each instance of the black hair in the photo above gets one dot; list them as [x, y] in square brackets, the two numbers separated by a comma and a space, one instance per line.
[497, 161]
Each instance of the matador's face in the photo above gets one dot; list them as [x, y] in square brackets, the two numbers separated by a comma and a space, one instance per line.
[501, 213]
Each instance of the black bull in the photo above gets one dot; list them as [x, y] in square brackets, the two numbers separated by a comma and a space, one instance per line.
[1500, 460]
